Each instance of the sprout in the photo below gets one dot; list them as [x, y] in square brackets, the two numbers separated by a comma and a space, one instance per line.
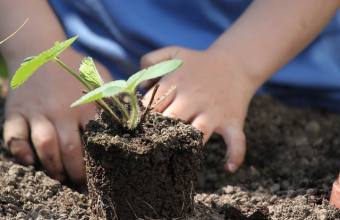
[128, 114]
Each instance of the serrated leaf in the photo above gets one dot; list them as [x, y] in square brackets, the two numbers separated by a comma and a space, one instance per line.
[89, 73]
[106, 90]
[27, 68]
[157, 70]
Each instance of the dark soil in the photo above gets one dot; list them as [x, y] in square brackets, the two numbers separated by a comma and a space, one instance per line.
[150, 172]
[292, 159]
[27, 194]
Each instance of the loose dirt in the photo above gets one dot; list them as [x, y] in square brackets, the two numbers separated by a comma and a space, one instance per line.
[292, 159]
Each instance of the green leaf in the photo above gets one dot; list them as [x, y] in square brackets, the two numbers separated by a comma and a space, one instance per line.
[31, 65]
[89, 73]
[106, 90]
[152, 72]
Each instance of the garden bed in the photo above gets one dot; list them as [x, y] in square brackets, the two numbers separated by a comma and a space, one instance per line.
[293, 157]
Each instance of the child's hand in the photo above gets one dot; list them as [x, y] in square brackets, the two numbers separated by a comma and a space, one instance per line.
[212, 93]
[40, 112]
[214, 87]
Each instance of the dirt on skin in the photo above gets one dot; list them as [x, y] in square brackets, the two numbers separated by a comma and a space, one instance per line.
[150, 172]
[292, 159]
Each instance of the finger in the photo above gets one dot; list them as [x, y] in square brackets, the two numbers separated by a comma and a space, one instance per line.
[88, 112]
[236, 147]
[178, 109]
[16, 138]
[202, 123]
[44, 139]
[163, 97]
[158, 56]
[71, 150]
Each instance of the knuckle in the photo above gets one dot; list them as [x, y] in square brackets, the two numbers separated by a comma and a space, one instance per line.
[69, 150]
[202, 126]
[174, 51]
[235, 129]
[43, 141]
[17, 150]
[12, 106]
[171, 114]
[146, 60]
[173, 48]
[57, 108]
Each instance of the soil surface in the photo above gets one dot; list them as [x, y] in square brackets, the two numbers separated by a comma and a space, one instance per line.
[148, 172]
[292, 159]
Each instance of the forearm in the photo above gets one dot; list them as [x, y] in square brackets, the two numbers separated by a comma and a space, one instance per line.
[270, 33]
[41, 31]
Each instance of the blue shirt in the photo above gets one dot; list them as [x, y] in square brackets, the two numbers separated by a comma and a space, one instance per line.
[119, 32]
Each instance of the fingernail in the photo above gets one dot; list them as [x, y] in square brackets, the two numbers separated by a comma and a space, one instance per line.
[232, 167]
[29, 159]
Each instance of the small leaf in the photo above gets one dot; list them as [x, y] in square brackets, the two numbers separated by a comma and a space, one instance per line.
[28, 67]
[89, 73]
[152, 72]
[106, 90]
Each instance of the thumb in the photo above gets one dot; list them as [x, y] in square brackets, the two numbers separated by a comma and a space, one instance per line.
[235, 140]
[157, 56]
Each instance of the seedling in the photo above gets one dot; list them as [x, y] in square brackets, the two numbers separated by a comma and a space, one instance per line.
[108, 96]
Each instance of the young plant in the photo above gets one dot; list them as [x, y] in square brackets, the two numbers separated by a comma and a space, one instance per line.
[107, 96]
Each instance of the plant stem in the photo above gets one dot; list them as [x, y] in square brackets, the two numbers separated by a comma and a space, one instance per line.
[133, 122]
[148, 108]
[65, 67]
[89, 87]
[101, 103]
[122, 108]
[104, 106]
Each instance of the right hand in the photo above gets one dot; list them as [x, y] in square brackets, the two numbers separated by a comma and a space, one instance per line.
[39, 113]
